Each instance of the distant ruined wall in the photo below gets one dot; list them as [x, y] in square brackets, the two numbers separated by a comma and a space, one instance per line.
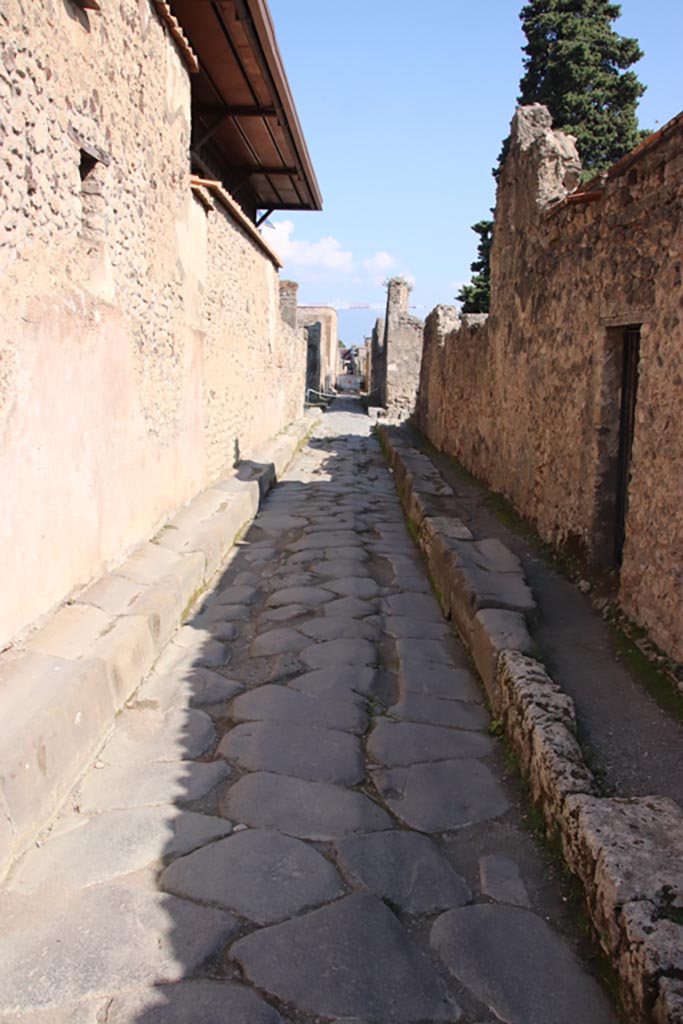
[327, 317]
[402, 351]
[378, 372]
[313, 334]
[141, 343]
[529, 399]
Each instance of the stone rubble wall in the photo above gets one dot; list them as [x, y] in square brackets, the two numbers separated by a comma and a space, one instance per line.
[626, 853]
[141, 344]
[528, 398]
[327, 317]
[402, 352]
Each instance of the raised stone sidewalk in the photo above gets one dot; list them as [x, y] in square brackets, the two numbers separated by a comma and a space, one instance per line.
[301, 816]
[626, 853]
[61, 689]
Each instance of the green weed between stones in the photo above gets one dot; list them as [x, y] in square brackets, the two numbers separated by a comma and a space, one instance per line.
[660, 675]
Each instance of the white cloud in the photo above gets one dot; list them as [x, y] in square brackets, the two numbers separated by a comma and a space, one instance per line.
[326, 254]
[379, 265]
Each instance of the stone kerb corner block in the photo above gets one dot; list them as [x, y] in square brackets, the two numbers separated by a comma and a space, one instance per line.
[60, 693]
[628, 854]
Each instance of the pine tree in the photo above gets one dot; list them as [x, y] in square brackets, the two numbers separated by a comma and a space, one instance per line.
[577, 66]
[475, 295]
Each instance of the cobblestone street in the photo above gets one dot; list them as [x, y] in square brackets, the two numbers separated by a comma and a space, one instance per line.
[303, 814]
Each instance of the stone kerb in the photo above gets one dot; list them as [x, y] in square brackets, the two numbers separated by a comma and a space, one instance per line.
[61, 689]
[627, 853]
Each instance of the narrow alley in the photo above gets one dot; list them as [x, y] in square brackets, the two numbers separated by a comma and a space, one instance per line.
[304, 813]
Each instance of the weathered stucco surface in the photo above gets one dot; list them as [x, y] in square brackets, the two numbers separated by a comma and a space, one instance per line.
[528, 399]
[140, 336]
[326, 316]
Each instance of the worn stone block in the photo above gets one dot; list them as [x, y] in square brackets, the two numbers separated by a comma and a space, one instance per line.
[70, 631]
[494, 630]
[128, 650]
[540, 721]
[625, 850]
[54, 715]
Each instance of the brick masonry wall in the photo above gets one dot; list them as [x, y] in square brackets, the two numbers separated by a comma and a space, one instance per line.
[529, 399]
[140, 337]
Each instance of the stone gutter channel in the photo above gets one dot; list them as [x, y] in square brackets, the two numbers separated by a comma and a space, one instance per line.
[626, 853]
[63, 686]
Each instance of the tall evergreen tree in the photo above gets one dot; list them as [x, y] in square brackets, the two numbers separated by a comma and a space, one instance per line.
[475, 295]
[577, 66]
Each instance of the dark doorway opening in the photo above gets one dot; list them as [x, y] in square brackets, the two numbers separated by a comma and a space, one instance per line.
[627, 422]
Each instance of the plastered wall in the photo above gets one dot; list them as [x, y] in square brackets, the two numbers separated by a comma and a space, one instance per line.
[141, 344]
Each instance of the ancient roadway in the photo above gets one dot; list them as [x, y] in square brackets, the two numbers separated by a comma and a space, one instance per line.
[304, 815]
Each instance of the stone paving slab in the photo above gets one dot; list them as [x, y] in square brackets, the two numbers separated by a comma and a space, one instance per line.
[198, 1002]
[415, 606]
[302, 751]
[336, 683]
[442, 796]
[259, 874]
[409, 743]
[455, 714]
[307, 810]
[310, 597]
[59, 961]
[115, 843]
[354, 586]
[280, 704]
[278, 641]
[501, 880]
[108, 789]
[350, 607]
[144, 736]
[438, 681]
[330, 653]
[402, 627]
[404, 868]
[351, 958]
[339, 629]
[194, 688]
[333, 568]
[490, 949]
[429, 652]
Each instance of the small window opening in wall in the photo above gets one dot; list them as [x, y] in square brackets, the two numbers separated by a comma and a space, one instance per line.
[93, 203]
[87, 165]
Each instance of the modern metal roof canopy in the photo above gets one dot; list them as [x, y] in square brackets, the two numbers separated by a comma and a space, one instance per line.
[246, 130]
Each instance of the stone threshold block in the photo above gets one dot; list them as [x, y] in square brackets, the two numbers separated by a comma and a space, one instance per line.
[62, 689]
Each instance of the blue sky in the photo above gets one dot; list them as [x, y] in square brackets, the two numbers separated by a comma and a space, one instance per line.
[404, 106]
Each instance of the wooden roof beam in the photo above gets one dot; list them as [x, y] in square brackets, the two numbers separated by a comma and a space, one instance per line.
[223, 114]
